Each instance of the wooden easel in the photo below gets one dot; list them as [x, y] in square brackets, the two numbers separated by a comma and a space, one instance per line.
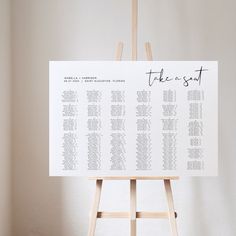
[132, 215]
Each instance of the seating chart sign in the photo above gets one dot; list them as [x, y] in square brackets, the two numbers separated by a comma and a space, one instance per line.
[133, 118]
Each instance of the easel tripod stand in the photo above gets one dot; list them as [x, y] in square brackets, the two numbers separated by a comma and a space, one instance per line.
[132, 215]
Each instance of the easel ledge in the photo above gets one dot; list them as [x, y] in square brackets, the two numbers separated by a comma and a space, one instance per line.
[134, 178]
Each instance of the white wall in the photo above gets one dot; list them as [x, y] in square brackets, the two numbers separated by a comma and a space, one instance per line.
[5, 119]
[89, 30]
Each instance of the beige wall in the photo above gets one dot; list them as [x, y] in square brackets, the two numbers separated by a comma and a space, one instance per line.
[5, 119]
[46, 30]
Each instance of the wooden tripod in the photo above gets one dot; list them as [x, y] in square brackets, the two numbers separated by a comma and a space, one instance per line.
[132, 215]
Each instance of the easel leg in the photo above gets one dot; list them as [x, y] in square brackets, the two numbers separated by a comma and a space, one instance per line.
[94, 212]
[170, 202]
[134, 29]
[132, 207]
[148, 49]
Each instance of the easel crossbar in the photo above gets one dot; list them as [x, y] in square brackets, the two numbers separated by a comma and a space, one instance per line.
[139, 215]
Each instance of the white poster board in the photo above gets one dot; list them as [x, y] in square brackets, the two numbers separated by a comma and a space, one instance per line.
[143, 118]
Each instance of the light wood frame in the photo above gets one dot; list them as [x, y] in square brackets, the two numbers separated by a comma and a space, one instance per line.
[133, 214]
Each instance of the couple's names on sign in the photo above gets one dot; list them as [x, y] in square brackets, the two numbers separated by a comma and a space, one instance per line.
[140, 118]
